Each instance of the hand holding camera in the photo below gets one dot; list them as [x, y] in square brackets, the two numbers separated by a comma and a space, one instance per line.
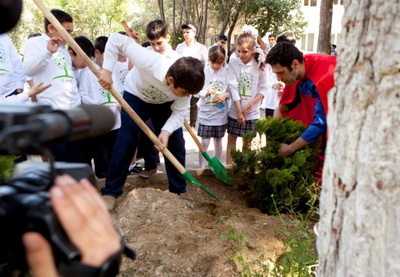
[86, 222]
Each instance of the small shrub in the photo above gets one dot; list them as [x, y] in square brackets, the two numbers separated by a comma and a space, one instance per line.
[272, 176]
[6, 167]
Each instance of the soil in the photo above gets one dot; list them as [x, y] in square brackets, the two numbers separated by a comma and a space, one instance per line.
[181, 235]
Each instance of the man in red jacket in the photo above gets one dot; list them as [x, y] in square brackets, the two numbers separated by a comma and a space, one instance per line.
[308, 79]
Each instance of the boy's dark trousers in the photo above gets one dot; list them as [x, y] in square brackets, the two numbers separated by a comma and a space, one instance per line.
[193, 111]
[100, 150]
[128, 139]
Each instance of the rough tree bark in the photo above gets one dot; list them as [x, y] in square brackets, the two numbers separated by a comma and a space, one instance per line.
[161, 8]
[359, 230]
[325, 26]
[175, 43]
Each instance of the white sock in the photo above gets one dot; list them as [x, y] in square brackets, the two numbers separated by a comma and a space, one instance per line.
[218, 148]
[202, 161]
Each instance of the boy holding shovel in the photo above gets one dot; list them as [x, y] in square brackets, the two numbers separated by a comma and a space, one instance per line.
[158, 90]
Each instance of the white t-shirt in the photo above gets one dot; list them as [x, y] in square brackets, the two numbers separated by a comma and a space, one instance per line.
[169, 53]
[16, 99]
[119, 74]
[147, 80]
[55, 69]
[271, 99]
[211, 113]
[245, 82]
[198, 51]
[12, 75]
[91, 92]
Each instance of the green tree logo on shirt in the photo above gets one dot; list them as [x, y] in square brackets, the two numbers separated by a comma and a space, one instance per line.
[123, 73]
[219, 86]
[108, 95]
[2, 57]
[153, 94]
[62, 63]
[245, 84]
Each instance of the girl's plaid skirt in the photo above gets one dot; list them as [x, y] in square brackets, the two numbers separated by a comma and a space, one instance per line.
[206, 131]
[237, 130]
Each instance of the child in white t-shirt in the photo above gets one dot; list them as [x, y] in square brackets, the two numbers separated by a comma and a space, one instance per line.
[248, 83]
[272, 98]
[213, 110]
[100, 148]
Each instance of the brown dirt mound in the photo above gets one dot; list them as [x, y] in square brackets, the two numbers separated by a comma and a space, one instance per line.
[180, 235]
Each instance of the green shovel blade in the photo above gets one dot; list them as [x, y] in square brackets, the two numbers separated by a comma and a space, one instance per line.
[194, 181]
[218, 169]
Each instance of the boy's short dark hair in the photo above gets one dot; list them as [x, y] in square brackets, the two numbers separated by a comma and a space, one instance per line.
[272, 36]
[222, 37]
[100, 43]
[156, 29]
[188, 74]
[85, 44]
[284, 53]
[60, 15]
[146, 44]
[34, 35]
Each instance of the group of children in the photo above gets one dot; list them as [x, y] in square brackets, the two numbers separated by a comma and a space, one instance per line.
[157, 88]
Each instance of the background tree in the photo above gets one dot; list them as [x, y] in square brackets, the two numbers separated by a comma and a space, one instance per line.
[275, 16]
[359, 230]
[162, 11]
[92, 18]
[325, 26]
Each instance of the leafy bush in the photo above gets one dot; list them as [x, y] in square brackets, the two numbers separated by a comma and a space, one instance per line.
[6, 167]
[274, 177]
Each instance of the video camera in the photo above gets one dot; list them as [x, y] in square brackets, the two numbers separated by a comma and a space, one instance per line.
[24, 200]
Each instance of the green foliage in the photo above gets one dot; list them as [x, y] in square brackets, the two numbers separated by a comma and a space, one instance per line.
[238, 238]
[276, 16]
[274, 177]
[298, 259]
[92, 18]
[6, 167]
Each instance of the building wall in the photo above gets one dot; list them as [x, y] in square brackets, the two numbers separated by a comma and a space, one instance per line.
[311, 9]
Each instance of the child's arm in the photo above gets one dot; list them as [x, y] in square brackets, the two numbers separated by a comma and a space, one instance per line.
[24, 96]
[86, 89]
[36, 56]
[239, 114]
[221, 97]
[126, 46]
[39, 88]
[233, 83]
[179, 108]
[250, 105]
[17, 70]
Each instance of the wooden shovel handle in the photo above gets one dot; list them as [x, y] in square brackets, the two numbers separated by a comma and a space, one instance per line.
[129, 31]
[67, 37]
[196, 140]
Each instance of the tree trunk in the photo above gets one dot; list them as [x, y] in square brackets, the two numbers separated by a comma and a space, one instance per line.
[359, 229]
[234, 21]
[226, 19]
[174, 23]
[161, 7]
[325, 25]
[205, 22]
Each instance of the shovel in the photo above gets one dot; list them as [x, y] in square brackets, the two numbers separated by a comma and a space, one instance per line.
[216, 166]
[71, 42]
